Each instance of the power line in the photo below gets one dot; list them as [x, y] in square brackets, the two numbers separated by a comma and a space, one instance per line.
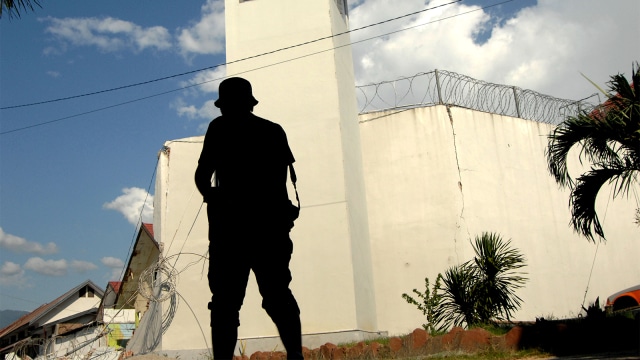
[254, 69]
[223, 64]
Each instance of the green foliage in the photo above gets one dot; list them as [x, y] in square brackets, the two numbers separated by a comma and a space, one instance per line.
[497, 329]
[13, 7]
[428, 303]
[594, 310]
[477, 292]
[458, 302]
[609, 139]
[497, 279]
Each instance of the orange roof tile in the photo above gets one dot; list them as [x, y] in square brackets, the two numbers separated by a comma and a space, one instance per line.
[149, 228]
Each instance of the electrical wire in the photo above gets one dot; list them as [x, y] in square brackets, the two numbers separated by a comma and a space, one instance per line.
[593, 263]
[254, 69]
[139, 222]
[226, 63]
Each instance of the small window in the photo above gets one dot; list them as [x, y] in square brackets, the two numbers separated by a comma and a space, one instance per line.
[86, 291]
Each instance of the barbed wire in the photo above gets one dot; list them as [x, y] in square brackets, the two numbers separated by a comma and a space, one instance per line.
[41, 348]
[441, 87]
[158, 282]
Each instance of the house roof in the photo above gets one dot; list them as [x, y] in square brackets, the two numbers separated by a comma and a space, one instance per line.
[115, 285]
[42, 310]
[144, 253]
[600, 111]
[149, 228]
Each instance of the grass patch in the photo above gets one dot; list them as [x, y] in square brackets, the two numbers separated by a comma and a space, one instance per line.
[496, 329]
[380, 340]
[422, 354]
[485, 355]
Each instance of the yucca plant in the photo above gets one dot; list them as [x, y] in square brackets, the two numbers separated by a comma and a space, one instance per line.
[497, 264]
[483, 290]
[458, 305]
[609, 139]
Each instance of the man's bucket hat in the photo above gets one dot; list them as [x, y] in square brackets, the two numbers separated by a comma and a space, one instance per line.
[235, 91]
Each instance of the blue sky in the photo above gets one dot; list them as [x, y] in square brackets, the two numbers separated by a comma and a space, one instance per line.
[74, 173]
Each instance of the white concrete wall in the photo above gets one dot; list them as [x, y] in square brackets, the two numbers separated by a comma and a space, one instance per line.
[385, 202]
[435, 181]
[73, 305]
[432, 183]
[313, 98]
[180, 224]
[119, 316]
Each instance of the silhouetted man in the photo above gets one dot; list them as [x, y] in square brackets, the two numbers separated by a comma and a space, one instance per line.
[248, 221]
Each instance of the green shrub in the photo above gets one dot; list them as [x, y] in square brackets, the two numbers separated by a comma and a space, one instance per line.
[479, 291]
[428, 303]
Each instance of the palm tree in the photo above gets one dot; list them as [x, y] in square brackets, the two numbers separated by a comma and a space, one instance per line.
[15, 6]
[483, 289]
[609, 138]
[496, 266]
[458, 304]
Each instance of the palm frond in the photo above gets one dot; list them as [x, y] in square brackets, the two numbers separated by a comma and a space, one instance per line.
[596, 85]
[609, 139]
[13, 7]
[496, 263]
[584, 218]
[457, 305]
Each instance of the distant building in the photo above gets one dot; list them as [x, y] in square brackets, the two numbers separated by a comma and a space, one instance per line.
[55, 328]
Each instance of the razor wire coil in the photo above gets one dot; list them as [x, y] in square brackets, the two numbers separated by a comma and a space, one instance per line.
[441, 87]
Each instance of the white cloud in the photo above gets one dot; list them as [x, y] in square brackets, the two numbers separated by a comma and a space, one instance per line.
[543, 47]
[11, 274]
[153, 37]
[183, 109]
[21, 245]
[82, 266]
[135, 203]
[11, 269]
[108, 34]
[47, 267]
[116, 265]
[206, 82]
[53, 74]
[208, 34]
[207, 111]
[112, 262]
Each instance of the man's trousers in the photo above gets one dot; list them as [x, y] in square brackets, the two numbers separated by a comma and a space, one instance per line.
[235, 249]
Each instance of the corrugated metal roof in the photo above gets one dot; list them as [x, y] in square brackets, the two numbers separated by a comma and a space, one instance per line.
[42, 310]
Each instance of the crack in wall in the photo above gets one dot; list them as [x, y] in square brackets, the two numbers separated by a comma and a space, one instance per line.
[460, 219]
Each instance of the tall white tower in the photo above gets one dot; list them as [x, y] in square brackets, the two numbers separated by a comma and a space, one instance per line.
[310, 90]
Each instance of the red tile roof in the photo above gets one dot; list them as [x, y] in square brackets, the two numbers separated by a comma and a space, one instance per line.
[115, 285]
[149, 228]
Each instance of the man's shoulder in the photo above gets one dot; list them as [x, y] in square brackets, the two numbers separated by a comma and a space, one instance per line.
[268, 124]
[218, 121]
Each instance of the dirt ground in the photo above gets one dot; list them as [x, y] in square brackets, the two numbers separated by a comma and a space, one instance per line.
[150, 357]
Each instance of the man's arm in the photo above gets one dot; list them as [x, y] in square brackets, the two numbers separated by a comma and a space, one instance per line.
[206, 166]
[203, 179]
